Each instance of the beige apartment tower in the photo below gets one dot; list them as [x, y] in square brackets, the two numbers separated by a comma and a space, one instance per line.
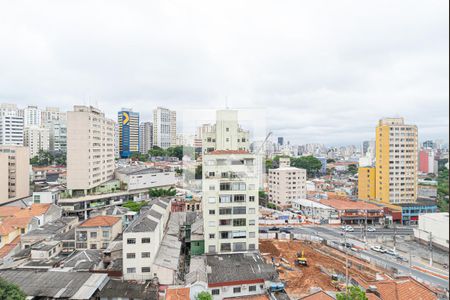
[90, 149]
[14, 173]
[286, 184]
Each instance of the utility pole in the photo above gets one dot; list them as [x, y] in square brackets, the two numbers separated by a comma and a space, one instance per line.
[395, 235]
[346, 265]
[431, 249]
[365, 228]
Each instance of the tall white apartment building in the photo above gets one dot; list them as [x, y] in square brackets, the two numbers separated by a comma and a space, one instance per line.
[226, 134]
[164, 128]
[58, 134]
[8, 109]
[14, 173]
[90, 149]
[52, 114]
[36, 139]
[11, 129]
[32, 116]
[145, 137]
[286, 184]
[230, 190]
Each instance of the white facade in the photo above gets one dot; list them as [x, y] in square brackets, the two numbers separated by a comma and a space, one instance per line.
[36, 139]
[434, 226]
[58, 135]
[52, 114]
[286, 184]
[11, 130]
[226, 134]
[32, 116]
[146, 178]
[164, 128]
[9, 109]
[90, 149]
[145, 137]
[51, 197]
[142, 240]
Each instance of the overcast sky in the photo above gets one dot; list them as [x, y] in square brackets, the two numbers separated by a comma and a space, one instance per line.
[324, 71]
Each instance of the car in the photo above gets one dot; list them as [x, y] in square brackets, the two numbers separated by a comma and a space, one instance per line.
[402, 259]
[349, 228]
[383, 250]
[347, 245]
[371, 229]
[391, 252]
[354, 249]
[376, 248]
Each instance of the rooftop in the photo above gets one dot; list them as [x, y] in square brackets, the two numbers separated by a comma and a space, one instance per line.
[138, 170]
[234, 268]
[178, 293]
[100, 221]
[224, 152]
[128, 290]
[340, 204]
[169, 253]
[45, 246]
[142, 224]
[320, 295]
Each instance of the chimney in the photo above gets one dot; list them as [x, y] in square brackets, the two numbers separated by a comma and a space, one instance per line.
[373, 290]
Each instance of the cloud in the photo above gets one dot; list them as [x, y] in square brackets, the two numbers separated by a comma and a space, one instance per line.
[325, 71]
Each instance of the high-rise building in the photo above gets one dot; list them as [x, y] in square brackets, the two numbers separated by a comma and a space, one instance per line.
[14, 173]
[32, 116]
[226, 134]
[52, 114]
[164, 128]
[90, 149]
[280, 141]
[8, 109]
[116, 140]
[36, 139]
[426, 161]
[230, 189]
[58, 134]
[128, 132]
[286, 184]
[145, 137]
[11, 130]
[396, 161]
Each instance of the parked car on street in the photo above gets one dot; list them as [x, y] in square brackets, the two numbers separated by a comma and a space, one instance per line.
[371, 229]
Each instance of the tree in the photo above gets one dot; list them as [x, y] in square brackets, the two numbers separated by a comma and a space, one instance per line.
[443, 190]
[354, 293]
[311, 164]
[156, 151]
[139, 156]
[352, 169]
[44, 158]
[199, 172]
[10, 291]
[159, 192]
[134, 206]
[204, 296]
[330, 160]
[176, 151]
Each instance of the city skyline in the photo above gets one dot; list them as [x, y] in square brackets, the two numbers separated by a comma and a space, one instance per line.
[327, 87]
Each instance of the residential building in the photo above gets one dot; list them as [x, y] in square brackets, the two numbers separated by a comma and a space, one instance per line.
[90, 149]
[427, 163]
[396, 161]
[97, 232]
[128, 132]
[9, 109]
[280, 141]
[14, 173]
[316, 212]
[36, 139]
[286, 184]
[11, 130]
[355, 212]
[226, 134]
[52, 114]
[164, 128]
[145, 137]
[142, 241]
[58, 134]
[32, 116]
[230, 188]
[366, 183]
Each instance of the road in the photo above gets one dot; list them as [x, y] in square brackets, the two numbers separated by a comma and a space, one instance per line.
[337, 235]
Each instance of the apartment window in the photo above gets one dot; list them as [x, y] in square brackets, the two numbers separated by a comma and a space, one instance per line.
[212, 187]
[145, 269]
[225, 247]
[225, 211]
[131, 241]
[239, 210]
[212, 236]
[251, 210]
[211, 224]
[105, 234]
[145, 254]
[105, 245]
[93, 235]
[93, 246]
[131, 255]
[251, 247]
[251, 222]
[225, 186]
[251, 235]
[225, 199]
[239, 222]
[212, 212]
[251, 198]
[236, 290]
[145, 241]
[239, 234]
[252, 288]
[215, 292]
[211, 200]
[239, 198]
[131, 270]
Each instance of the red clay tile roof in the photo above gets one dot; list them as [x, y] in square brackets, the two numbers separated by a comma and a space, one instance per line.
[178, 294]
[5, 229]
[100, 221]
[218, 152]
[17, 222]
[8, 247]
[404, 289]
[255, 297]
[7, 211]
[34, 210]
[320, 295]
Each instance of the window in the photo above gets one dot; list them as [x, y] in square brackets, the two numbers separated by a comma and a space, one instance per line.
[251, 222]
[145, 269]
[131, 270]
[251, 198]
[145, 254]
[145, 240]
[225, 199]
[239, 198]
[215, 292]
[131, 241]
[252, 288]
[239, 234]
[212, 187]
[212, 212]
[131, 255]
[239, 222]
[212, 236]
[105, 234]
[251, 210]
[93, 246]
[105, 245]
[239, 210]
[225, 211]
[211, 200]
[212, 249]
[225, 247]
[211, 224]
[251, 234]
[251, 247]
[93, 235]
[236, 290]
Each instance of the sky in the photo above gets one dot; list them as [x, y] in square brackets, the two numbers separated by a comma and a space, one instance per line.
[323, 71]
